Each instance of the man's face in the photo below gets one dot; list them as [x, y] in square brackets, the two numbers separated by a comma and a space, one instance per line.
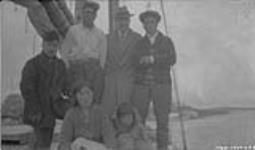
[89, 15]
[122, 23]
[50, 48]
[150, 25]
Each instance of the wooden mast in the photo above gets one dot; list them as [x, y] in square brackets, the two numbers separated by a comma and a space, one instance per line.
[78, 9]
[113, 5]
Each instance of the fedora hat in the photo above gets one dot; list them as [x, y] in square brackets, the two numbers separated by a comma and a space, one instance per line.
[122, 12]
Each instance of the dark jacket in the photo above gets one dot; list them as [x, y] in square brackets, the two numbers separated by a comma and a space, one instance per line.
[164, 55]
[43, 79]
[119, 52]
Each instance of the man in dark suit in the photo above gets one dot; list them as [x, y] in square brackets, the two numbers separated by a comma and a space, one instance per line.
[118, 66]
[153, 57]
[43, 80]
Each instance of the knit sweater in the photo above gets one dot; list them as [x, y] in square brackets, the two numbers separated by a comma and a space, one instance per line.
[164, 55]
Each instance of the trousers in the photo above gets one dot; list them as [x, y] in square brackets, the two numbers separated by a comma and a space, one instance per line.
[118, 89]
[43, 138]
[161, 96]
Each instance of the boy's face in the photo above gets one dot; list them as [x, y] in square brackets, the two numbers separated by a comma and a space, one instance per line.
[127, 119]
[50, 48]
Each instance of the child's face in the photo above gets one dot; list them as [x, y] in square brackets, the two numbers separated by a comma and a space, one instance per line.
[127, 119]
[84, 97]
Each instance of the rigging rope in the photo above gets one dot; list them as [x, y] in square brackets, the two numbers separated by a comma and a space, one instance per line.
[184, 141]
[26, 24]
[34, 44]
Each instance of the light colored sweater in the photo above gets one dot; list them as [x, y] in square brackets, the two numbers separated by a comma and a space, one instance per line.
[81, 43]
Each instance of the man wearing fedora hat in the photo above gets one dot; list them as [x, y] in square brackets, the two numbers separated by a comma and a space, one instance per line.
[153, 57]
[84, 50]
[118, 68]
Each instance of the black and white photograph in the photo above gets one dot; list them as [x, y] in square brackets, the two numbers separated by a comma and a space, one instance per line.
[127, 74]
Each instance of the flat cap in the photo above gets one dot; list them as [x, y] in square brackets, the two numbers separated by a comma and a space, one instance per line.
[91, 4]
[149, 13]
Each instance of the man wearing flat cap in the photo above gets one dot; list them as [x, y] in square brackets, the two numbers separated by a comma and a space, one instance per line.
[153, 57]
[118, 67]
[84, 51]
[43, 79]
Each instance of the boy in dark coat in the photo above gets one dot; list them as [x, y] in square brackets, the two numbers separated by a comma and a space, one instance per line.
[153, 57]
[43, 80]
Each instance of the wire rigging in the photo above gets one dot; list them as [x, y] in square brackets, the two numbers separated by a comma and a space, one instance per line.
[184, 140]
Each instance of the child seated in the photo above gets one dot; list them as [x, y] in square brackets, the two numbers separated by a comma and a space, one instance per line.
[128, 129]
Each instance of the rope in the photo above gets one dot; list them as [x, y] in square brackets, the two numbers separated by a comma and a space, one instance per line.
[34, 44]
[26, 24]
[184, 141]
[2, 20]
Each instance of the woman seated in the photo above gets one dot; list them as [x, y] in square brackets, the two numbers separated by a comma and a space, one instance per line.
[128, 130]
[84, 126]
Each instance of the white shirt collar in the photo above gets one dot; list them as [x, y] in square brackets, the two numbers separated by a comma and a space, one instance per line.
[153, 37]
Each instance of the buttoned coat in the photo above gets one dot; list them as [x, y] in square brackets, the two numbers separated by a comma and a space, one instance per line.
[43, 79]
[118, 69]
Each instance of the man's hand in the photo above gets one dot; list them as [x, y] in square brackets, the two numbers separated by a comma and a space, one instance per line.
[147, 60]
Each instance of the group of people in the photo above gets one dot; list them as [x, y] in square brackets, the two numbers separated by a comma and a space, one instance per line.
[111, 81]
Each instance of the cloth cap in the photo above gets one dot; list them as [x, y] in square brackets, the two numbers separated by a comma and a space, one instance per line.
[91, 4]
[149, 13]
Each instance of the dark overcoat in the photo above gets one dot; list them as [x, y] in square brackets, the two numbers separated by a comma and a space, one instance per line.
[118, 69]
[43, 79]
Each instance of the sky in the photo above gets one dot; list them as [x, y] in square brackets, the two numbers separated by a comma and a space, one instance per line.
[214, 41]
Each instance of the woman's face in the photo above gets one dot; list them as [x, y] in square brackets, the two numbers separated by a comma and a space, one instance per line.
[127, 120]
[84, 97]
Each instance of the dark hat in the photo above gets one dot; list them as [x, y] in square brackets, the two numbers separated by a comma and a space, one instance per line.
[91, 4]
[122, 12]
[149, 13]
[124, 109]
[51, 36]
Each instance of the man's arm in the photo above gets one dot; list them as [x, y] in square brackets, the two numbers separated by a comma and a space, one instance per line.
[103, 50]
[29, 85]
[168, 57]
[67, 46]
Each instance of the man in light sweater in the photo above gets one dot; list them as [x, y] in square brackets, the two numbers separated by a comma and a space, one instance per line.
[84, 51]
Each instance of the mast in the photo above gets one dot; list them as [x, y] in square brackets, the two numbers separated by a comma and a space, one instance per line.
[78, 9]
[113, 6]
